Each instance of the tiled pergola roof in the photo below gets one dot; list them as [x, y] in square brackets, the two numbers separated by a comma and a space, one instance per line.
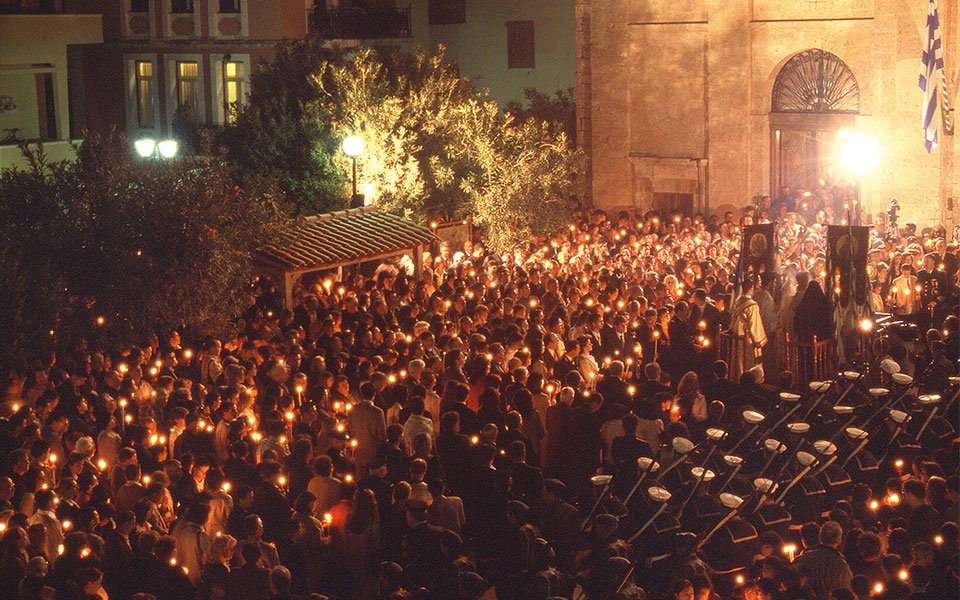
[342, 237]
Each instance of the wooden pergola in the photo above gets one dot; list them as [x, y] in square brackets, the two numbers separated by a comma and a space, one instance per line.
[339, 239]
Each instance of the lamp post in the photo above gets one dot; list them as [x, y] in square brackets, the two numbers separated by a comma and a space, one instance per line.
[353, 146]
[150, 148]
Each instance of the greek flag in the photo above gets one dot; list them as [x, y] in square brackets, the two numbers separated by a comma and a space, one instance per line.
[932, 63]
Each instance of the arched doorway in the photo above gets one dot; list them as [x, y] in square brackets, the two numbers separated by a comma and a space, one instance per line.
[815, 95]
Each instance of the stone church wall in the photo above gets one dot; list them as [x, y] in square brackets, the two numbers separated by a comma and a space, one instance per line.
[680, 97]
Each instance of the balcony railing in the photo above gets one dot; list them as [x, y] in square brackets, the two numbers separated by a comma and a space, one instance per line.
[42, 7]
[362, 24]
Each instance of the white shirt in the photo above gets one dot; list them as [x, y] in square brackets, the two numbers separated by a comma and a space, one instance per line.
[415, 425]
[54, 530]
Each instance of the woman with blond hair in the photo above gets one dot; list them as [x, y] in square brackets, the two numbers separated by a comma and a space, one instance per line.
[689, 398]
[216, 568]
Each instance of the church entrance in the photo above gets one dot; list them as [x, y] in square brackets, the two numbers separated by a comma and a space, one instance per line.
[815, 98]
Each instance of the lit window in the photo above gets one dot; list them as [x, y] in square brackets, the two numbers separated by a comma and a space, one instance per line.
[181, 6]
[144, 82]
[232, 89]
[520, 48]
[188, 86]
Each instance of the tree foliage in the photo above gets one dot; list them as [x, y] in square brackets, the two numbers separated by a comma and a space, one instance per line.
[33, 291]
[282, 132]
[435, 147]
[146, 245]
[559, 110]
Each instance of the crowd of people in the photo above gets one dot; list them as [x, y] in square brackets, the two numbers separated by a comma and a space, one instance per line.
[526, 425]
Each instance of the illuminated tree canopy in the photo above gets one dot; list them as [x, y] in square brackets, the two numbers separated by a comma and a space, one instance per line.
[435, 146]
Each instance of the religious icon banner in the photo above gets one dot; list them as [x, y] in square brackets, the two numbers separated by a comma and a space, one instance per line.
[847, 248]
[758, 253]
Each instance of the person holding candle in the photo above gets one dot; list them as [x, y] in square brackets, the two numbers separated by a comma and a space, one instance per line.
[828, 568]
[904, 296]
[367, 425]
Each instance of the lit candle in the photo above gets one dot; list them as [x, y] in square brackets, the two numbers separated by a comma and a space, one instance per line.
[790, 550]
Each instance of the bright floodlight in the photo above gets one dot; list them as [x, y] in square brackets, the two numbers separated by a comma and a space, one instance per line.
[859, 152]
[353, 146]
[167, 148]
[144, 147]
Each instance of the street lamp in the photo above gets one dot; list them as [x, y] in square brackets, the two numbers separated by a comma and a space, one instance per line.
[149, 148]
[353, 146]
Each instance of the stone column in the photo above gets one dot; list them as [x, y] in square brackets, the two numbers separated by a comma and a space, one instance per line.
[584, 97]
[728, 102]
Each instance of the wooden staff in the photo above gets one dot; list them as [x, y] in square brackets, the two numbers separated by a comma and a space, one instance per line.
[603, 494]
[850, 387]
[653, 466]
[703, 475]
[676, 463]
[803, 473]
[864, 440]
[649, 522]
[933, 413]
[733, 473]
[749, 432]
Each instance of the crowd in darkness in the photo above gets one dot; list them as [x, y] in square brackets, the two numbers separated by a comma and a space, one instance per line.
[444, 432]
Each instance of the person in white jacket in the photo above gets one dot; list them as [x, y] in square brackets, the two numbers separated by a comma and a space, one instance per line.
[43, 502]
[192, 541]
[416, 423]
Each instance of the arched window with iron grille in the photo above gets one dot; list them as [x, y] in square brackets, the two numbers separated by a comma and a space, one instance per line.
[816, 81]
